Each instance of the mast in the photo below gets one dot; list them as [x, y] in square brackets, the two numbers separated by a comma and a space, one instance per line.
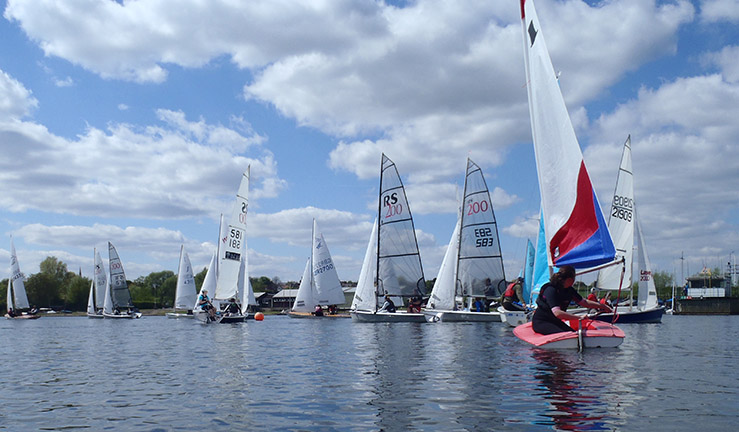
[379, 223]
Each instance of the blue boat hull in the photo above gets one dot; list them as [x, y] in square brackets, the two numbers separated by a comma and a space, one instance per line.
[649, 316]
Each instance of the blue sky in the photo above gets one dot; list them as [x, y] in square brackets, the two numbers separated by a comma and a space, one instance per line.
[131, 122]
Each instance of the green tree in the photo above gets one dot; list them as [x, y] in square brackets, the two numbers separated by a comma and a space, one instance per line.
[663, 283]
[43, 290]
[78, 291]
[4, 294]
[199, 278]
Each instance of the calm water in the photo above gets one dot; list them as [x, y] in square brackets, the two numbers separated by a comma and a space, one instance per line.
[156, 374]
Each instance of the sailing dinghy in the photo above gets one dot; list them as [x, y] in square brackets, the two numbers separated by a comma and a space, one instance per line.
[472, 268]
[392, 263]
[228, 276]
[320, 285]
[118, 303]
[98, 286]
[624, 226]
[17, 301]
[574, 227]
[185, 292]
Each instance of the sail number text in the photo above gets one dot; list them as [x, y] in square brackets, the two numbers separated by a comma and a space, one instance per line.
[484, 237]
[477, 207]
[392, 206]
[234, 238]
[623, 207]
[322, 266]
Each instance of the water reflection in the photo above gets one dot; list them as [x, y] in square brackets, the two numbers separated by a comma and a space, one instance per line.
[574, 407]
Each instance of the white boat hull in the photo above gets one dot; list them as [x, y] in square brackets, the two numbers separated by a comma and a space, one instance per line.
[204, 318]
[369, 316]
[134, 315]
[460, 316]
[514, 318]
[96, 315]
[179, 315]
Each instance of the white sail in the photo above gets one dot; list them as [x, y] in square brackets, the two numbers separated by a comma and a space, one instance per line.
[304, 301]
[328, 289]
[621, 220]
[399, 270]
[9, 296]
[574, 226]
[647, 291]
[100, 279]
[120, 295]
[480, 262]
[91, 300]
[19, 289]
[107, 301]
[443, 292]
[246, 292]
[233, 245]
[209, 282]
[185, 292]
[364, 295]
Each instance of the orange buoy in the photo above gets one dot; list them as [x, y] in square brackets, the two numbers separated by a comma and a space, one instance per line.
[259, 316]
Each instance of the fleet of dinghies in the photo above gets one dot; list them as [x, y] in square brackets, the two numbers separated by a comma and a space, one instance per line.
[574, 227]
[473, 264]
[320, 285]
[572, 231]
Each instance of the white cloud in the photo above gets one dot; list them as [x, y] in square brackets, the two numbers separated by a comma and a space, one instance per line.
[727, 60]
[720, 10]
[16, 101]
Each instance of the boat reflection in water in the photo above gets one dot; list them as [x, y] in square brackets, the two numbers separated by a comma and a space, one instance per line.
[575, 406]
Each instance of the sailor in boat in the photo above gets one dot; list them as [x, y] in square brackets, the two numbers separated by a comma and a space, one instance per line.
[553, 300]
[232, 308]
[332, 310]
[414, 305]
[205, 304]
[388, 306]
[512, 296]
[318, 311]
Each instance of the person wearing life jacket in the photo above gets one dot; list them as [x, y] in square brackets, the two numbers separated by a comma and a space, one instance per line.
[554, 297]
[513, 295]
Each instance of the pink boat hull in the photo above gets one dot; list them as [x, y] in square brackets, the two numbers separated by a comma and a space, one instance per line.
[596, 334]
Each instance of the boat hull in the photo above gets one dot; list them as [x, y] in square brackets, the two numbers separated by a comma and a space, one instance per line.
[134, 315]
[595, 334]
[24, 316]
[514, 318]
[369, 316]
[203, 317]
[460, 316]
[176, 315]
[96, 315]
[292, 314]
[649, 316]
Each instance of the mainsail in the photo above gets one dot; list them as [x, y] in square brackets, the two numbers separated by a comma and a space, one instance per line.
[18, 299]
[120, 295]
[575, 229]
[621, 222]
[100, 280]
[233, 245]
[324, 276]
[444, 291]
[480, 263]
[647, 290]
[399, 270]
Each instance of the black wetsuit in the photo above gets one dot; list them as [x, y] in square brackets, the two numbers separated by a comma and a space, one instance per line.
[544, 321]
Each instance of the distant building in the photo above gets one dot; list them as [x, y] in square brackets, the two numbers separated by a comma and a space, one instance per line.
[284, 299]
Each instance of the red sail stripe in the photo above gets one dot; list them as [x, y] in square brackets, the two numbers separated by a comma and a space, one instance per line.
[582, 223]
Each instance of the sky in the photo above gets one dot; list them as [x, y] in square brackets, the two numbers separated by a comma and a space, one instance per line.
[132, 122]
